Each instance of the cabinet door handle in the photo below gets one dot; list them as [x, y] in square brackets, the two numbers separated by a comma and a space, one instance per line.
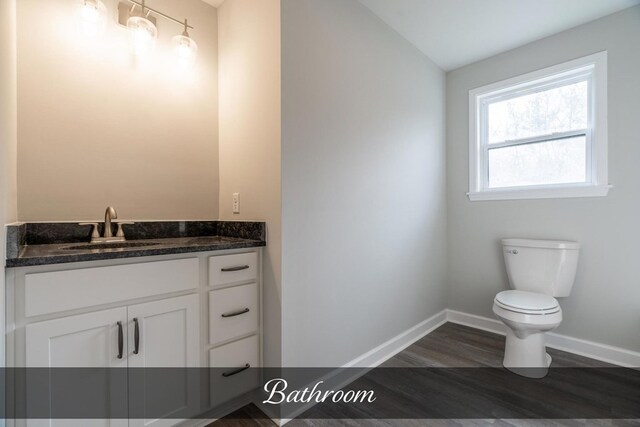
[120, 340]
[236, 313]
[238, 268]
[136, 336]
[235, 371]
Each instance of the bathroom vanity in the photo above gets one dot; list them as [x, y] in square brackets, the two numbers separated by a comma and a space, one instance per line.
[183, 302]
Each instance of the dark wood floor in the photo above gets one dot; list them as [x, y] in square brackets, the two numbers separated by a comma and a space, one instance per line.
[457, 346]
[451, 345]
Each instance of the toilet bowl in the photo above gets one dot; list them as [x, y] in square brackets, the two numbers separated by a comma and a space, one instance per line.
[527, 317]
[538, 270]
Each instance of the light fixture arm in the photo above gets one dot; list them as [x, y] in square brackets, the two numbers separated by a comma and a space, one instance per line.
[157, 12]
[186, 28]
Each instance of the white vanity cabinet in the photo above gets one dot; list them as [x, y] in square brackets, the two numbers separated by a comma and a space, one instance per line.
[172, 311]
[159, 334]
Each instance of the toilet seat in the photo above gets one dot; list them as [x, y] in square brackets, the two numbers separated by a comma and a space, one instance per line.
[527, 302]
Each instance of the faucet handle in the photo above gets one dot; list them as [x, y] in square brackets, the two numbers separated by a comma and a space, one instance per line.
[95, 234]
[120, 232]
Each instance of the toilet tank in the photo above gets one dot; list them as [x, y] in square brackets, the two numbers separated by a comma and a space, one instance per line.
[544, 266]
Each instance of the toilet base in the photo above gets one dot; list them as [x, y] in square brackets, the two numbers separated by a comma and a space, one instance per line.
[526, 356]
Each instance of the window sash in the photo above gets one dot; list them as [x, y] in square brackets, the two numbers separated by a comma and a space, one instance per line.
[565, 79]
[537, 140]
[512, 93]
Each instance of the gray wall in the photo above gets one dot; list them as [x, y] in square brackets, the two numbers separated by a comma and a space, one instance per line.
[604, 305]
[363, 183]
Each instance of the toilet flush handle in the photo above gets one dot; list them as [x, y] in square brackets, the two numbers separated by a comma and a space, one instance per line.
[513, 251]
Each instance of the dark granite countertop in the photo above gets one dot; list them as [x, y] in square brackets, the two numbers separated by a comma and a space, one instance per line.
[34, 244]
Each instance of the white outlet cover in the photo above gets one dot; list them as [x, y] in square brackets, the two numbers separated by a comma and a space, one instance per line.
[236, 203]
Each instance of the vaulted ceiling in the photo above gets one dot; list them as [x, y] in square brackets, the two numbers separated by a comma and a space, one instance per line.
[454, 33]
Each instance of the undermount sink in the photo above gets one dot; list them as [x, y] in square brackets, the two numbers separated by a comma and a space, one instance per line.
[118, 245]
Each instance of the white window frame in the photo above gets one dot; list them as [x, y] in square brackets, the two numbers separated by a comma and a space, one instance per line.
[593, 68]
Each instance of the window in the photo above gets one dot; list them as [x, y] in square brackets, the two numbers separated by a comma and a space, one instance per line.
[541, 135]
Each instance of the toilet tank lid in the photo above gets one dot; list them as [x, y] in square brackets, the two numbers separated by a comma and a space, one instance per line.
[548, 244]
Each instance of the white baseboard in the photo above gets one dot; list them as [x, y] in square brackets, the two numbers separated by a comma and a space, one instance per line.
[603, 352]
[395, 345]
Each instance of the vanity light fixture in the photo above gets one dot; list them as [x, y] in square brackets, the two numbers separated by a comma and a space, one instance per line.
[142, 31]
[140, 19]
[93, 17]
[185, 47]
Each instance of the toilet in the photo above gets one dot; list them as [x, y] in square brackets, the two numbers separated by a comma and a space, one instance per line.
[539, 271]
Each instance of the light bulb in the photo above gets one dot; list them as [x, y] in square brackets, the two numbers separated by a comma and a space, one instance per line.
[186, 50]
[93, 17]
[143, 35]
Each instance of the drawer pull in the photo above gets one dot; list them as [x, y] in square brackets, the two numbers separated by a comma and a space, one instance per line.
[236, 313]
[120, 340]
[136, 336]
[235, 371]
[238, 268]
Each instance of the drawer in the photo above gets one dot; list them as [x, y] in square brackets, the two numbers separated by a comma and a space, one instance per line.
[232, 357]
[57, 291]
[227, 269]
[233, 312]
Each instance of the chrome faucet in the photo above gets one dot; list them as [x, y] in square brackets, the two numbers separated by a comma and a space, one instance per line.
[108, 237]
[108, 216]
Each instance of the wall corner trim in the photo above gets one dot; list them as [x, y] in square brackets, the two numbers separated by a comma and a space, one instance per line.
[603, 352]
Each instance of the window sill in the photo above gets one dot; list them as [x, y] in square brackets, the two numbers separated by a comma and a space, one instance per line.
[541, 193]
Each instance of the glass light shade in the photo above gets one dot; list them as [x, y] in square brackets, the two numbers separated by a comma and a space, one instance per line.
[93, 17]
[143, 35]
[186, 50]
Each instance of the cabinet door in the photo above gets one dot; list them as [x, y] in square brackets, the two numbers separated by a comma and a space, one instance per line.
[84, 341]
[160, 393]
